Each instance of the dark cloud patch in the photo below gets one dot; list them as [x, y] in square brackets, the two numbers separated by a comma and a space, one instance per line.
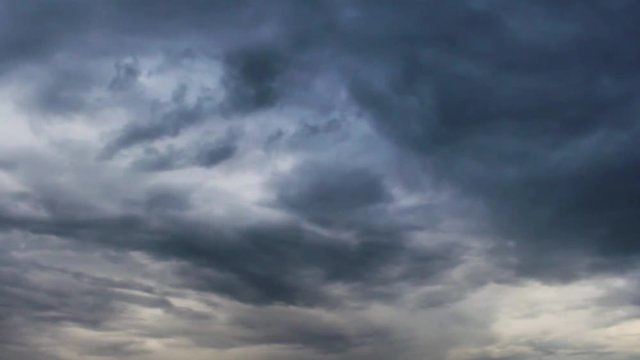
[166, 19]
[538, 128]
[529, 124]
[172, 158]
[126, 75]
[166, 200]
[318, 129]
[308, 135]
[216, 154]
[287, 264]
[165, 121]
[534, 119]
[40, 29]
[264, 264]
[153, 159]
[324, 190]
[528, 109]
[353, 199]
[253, 78]
[37, 31]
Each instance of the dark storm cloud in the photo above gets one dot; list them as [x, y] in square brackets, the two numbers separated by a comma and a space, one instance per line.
[263, 264]
[289, 265]
[320, 190]
[31, 31]
[539, 128]
[527, 108]
[534, 119]
[36, 31]
[165, 120]
[251, 78]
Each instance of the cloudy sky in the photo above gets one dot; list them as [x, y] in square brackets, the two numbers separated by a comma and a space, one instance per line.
[319, 179]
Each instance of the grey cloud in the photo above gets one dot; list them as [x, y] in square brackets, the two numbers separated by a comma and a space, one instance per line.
[165, 120]
[538, 130]
[252, 78]
[283, 263]
[529, 124]
[321, 190]
[527, 109]
[63, 93]
[535, 129]
[216, 154]
[153, 159]
[258, 267]
[286, 264]
[298, 328]
[35, 294]
[37, 297]
[208, 156]
[40, 29]
[127, 74]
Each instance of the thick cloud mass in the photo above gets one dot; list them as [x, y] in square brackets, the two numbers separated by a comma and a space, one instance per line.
[540, 131]
[360, 179]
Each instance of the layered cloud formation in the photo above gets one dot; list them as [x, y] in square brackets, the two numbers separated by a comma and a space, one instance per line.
[441, 180]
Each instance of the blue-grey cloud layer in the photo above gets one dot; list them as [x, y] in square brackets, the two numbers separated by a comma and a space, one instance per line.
[525, 112]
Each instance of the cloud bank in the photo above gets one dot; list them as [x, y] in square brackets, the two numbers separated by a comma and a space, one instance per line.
[319, 180]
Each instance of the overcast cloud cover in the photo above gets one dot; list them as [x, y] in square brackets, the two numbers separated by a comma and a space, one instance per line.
[330, 179]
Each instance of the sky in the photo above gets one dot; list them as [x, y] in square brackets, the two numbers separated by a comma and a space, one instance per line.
[319, 179]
